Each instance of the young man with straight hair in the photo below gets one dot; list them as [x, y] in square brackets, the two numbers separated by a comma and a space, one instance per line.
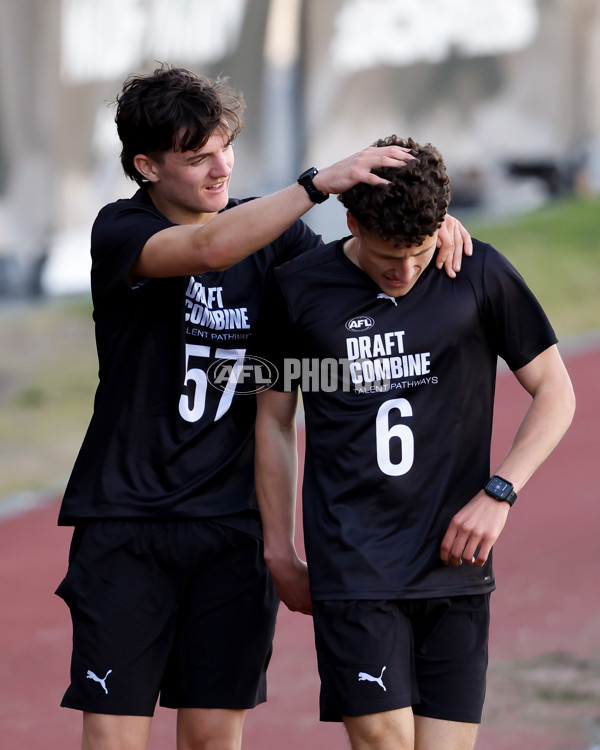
[400, 510]
[167, 586]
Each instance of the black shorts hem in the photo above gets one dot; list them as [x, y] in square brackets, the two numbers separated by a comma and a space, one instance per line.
[175, 705]
[331, 715]
[445, 715]
[75, 706]
[335, 716]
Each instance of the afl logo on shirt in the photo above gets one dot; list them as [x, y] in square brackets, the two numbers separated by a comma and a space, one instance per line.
[360, 323]
[241, 373]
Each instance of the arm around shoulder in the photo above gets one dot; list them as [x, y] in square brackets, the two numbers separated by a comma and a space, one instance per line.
[225, 239]
[230, 236]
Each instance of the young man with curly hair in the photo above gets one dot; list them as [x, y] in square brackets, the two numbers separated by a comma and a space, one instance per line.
[397, 365]
[166, 584]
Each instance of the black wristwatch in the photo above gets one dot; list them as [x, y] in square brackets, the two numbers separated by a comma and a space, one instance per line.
[500, 489]
[306, 180]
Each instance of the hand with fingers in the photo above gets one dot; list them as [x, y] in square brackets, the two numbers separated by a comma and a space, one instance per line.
[348, 172]
[453, 241]
[473, 531]
[291, 581]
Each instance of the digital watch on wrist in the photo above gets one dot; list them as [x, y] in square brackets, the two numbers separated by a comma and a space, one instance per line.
[306, 180]
[501, 489]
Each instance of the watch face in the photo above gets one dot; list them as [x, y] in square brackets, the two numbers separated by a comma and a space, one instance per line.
[308, 174]
[499, 487]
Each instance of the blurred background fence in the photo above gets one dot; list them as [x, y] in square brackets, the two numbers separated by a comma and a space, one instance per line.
[507, 89]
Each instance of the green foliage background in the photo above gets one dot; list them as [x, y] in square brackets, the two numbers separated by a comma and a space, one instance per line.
[557, 250]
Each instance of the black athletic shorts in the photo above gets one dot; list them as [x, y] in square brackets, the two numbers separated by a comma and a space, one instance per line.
[430, 654]
[185, 609]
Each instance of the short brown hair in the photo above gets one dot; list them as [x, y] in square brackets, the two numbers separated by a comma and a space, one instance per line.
[412, 205]
[173, 108]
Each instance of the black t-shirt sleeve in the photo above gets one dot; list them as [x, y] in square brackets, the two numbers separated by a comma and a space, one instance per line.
[516, 322]
[297, 239]
[118, 236]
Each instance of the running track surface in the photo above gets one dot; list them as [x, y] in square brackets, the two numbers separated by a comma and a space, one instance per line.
[547, 565]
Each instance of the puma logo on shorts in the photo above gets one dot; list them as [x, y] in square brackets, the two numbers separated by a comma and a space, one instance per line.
[102, 680]
[369, 677]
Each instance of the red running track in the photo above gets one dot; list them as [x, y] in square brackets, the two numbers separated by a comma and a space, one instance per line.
[547, 566]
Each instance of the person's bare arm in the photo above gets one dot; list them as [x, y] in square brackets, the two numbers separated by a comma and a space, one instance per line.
[476, 527]
[232, 235]
[276, 478]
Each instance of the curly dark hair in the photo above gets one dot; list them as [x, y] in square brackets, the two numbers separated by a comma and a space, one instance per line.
[173, 108]
[412, 205]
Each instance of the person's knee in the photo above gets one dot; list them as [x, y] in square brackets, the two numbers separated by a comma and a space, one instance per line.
[381, 731]
[209, 729]
[108, 732]
[203, 742]
[219, 743]
[437, 734]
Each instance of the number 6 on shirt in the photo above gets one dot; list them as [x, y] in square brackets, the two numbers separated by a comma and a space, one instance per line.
[384, 434]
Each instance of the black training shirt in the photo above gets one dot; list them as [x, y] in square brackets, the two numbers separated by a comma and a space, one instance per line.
[398, 397]
[163, 443]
